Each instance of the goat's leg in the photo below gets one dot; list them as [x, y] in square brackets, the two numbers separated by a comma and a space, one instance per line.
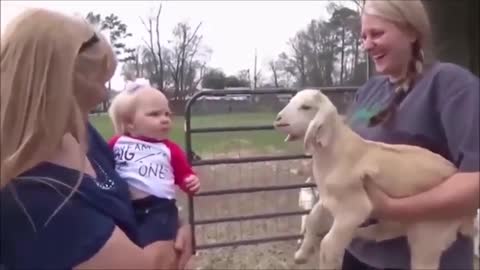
[348, 215]
[317, 223]
[428, 240]
[302, 227]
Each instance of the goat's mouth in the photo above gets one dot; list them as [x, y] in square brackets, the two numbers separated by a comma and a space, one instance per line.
[280, 125]
[291, 138]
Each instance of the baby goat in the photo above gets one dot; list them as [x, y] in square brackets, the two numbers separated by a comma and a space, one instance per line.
[341, 161]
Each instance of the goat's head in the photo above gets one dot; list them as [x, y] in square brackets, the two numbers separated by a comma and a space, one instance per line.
[308, 115]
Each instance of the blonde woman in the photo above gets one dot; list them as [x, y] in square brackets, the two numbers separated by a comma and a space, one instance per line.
[416, 100]
[62, 204]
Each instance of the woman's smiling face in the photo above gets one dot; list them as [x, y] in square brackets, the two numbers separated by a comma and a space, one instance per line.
[388, 45]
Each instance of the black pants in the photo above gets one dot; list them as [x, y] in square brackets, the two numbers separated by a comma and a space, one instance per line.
[352, 263]
[157, 219]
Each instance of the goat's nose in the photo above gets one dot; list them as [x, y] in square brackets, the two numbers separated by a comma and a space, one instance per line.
[278, 118]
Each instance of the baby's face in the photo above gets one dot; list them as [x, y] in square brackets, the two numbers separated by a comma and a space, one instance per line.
[152, 117]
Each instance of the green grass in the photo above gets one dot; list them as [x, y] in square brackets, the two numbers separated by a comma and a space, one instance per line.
[218, 142]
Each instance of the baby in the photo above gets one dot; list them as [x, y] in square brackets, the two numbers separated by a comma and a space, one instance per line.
[150, 162]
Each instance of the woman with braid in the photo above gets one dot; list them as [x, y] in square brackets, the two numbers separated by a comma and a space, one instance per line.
[419, 101]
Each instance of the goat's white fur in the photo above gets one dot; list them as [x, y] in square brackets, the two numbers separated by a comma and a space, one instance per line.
[342, 161]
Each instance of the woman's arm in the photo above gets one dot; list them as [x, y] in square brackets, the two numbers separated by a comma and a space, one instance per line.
[112, 254]
[456, 197]
[121, 253]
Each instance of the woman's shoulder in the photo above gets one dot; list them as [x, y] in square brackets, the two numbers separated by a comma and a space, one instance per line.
[445, 81]
[449, 75]
[451, 69]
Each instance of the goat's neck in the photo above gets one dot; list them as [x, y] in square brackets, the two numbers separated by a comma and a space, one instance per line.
[341, 137]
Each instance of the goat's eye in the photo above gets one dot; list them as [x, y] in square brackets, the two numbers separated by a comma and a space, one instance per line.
[305, 107]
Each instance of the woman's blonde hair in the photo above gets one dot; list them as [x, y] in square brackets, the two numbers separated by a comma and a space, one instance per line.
[50, 64]
[409, 15]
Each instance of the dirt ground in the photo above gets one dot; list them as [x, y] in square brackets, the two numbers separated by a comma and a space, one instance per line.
[274, 255]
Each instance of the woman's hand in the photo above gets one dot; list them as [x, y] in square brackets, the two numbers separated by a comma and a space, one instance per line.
[382, 203]
[183, 245]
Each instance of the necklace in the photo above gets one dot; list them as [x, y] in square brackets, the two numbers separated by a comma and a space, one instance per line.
[104, 181]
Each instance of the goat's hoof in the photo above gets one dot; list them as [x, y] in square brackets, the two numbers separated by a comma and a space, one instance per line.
[300, 258]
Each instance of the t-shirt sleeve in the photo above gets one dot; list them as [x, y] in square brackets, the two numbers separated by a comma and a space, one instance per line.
[113, 141]
[458, 108]
[180, 165]
[73, 235]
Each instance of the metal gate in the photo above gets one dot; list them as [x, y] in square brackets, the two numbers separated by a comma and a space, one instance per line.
[190, 155]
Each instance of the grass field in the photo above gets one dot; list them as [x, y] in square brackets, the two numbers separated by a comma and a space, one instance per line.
[219, 142]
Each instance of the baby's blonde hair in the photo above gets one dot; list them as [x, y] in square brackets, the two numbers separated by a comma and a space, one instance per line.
[123, 107]
[50, 64]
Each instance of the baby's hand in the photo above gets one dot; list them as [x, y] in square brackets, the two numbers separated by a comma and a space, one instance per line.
[192, 183]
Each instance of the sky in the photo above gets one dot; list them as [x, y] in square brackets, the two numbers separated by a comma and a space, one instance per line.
[232, 29]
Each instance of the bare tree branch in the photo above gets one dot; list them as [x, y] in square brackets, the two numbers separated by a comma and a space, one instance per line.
[159, 54]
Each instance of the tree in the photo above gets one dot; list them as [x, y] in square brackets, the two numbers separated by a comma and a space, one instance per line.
[244, 75]
[214, 79]
[156, 55]
[345, 21]
[274, 68]
[138, 63]
[298, 59]
[324, 53]
[234, 81]
[183, 60]
[359, 3]
[117, 32]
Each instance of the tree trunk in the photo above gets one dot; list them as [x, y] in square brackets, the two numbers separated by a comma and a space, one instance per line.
[342, 57]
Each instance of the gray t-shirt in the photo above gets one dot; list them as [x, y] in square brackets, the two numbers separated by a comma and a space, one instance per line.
[441, 113]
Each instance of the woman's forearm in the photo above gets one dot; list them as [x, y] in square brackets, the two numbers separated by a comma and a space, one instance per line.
[457, 196]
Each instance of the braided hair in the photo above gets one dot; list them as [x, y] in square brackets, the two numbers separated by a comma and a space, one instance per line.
[403, 87]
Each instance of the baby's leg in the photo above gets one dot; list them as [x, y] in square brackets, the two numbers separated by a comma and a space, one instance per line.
[167, 257]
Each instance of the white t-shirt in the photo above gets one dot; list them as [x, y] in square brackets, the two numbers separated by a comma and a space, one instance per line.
[151, 166]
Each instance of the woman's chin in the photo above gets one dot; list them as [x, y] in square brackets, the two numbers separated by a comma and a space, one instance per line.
[380, 69]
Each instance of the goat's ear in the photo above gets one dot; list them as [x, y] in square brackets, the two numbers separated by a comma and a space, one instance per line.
[319, 131]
